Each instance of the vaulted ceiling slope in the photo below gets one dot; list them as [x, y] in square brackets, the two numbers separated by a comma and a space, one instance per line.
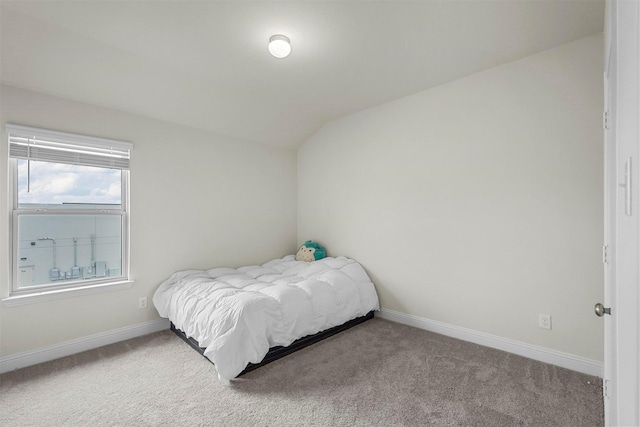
[205, 63]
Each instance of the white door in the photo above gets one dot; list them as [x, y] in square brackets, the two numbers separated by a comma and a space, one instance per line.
[622, 224]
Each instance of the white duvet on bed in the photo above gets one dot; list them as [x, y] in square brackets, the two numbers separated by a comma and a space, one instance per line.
[238, 314]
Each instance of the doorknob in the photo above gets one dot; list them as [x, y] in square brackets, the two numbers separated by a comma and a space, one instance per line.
[601, 311]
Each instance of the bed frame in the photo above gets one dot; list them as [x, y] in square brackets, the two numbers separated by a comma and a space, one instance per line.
[276, 353]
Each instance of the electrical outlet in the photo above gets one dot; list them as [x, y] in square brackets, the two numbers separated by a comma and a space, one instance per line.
[142, 302]
[544, 321]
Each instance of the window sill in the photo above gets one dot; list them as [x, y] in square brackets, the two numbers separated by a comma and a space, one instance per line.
[57, 294]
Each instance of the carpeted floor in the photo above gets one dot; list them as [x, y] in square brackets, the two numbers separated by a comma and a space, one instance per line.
[379, 373]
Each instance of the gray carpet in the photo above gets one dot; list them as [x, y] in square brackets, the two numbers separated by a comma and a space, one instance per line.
[379, 373]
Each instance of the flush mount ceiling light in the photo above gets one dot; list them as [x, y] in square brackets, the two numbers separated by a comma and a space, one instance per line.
[279, 46]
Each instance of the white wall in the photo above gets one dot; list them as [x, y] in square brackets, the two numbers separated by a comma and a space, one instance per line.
[198, 200]
[477, 203]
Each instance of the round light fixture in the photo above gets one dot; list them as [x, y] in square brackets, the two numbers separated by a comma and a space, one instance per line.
[279, 46]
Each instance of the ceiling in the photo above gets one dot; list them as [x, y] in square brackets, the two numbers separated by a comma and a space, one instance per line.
[205, 64]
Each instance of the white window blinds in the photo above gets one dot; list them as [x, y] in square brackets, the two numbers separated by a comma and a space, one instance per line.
[59, 147]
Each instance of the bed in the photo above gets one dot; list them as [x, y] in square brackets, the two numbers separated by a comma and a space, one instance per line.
[242, 318]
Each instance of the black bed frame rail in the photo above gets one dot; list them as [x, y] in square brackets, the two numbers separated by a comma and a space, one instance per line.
[276, 353]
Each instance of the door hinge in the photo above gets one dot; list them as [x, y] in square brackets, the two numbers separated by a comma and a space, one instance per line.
[605, 120]
[605, 388]
[605, 254]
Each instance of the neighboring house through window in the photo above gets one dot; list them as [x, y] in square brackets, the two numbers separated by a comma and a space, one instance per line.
[69, 211]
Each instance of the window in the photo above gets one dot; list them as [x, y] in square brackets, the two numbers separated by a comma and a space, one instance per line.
[69, 210]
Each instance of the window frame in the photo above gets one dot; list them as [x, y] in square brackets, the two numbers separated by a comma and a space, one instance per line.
[54, 290]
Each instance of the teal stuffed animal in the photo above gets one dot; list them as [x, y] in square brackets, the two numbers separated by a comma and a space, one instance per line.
[310, 251]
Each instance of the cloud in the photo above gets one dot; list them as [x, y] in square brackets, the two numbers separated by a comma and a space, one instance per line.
[55, 183]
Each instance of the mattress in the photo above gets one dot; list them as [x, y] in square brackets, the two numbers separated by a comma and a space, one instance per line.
[236, 315]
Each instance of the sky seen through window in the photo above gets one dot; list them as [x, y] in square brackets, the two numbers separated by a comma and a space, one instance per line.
[56, 184]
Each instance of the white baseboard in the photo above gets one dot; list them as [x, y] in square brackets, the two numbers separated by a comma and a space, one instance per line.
[67, 348]
[554, 357]
[558, 358]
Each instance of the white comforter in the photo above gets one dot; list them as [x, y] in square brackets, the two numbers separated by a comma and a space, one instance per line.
[238, 314]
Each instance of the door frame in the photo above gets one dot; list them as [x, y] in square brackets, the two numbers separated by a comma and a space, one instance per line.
[622, 230]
